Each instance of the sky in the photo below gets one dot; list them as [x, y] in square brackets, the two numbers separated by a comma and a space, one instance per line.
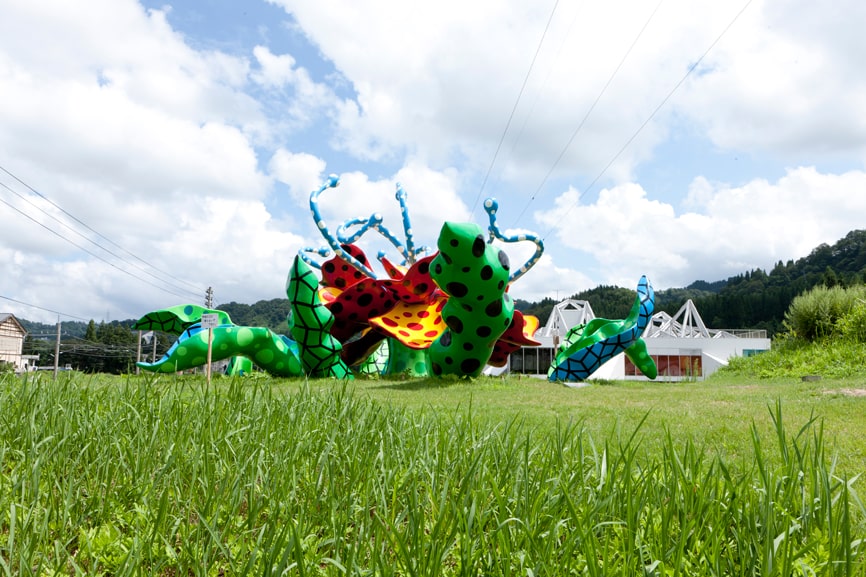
[151, 149]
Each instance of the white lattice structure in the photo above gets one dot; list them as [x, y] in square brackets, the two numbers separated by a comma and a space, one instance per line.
[569, 313]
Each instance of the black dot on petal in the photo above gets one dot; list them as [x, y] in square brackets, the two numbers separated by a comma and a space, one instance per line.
[365, 299]
[467, 308]
[438, 269]
[487, 272]
[454, 242]
[500, 285]
[503, 260]
[468, 346]
[483, 331]
[470, 365]
[445, 339]
[336, 308]
[373, 313]
[455, 323]
[424, 267]
[420, 289]
[340, 283]
[345, 267]
[456, 289]
[466, 269]
[329, 267]
[494, 309]
[446, 258]
[437, 370]
[449, 361]
[478, 246]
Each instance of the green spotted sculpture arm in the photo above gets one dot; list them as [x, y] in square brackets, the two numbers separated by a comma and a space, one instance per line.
[478, 311]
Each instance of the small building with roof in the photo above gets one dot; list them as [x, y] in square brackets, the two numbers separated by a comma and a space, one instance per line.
[681, 345]
[12, 335]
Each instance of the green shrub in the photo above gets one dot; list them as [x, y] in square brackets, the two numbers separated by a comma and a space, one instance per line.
[853, 324]
[814, 314]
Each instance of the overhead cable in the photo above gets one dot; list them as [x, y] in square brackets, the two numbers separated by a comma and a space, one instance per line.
[588, 113]
[514, 108]
[195, 289]
[651, 116]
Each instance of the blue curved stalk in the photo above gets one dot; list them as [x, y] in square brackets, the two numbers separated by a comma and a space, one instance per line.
[491, 205]
[407, 225]
[322, 252]
[375, 223]
[332, 182]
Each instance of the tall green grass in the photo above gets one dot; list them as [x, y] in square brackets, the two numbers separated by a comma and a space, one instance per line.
[170, 477]
[824, 312]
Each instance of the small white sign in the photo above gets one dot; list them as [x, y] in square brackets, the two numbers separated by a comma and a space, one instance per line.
[210, 321]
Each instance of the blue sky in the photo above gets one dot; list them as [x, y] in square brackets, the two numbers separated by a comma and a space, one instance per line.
[174, 145]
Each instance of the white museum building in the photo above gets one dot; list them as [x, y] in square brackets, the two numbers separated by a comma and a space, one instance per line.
[682, 346]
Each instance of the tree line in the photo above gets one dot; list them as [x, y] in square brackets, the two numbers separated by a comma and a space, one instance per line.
[754, 299]
[111, 347]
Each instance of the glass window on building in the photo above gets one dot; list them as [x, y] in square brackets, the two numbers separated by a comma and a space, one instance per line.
[690, 366]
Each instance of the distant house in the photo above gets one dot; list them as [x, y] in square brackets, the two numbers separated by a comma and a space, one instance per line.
[12, 343]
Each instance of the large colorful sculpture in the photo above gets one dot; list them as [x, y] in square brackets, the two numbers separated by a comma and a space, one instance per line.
[446, 313]
[587, 347]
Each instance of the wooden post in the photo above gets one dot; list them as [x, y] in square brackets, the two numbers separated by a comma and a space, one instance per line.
[209, 321]
[57, 351]
[138, 355]
[209, 353]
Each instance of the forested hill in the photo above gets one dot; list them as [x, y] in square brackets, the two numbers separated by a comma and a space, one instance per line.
[270, 313]
[754, 299]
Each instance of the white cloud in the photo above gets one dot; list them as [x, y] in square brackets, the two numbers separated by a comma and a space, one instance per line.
[301, 172]
[113, 117]
[786, 79]
[728, 231]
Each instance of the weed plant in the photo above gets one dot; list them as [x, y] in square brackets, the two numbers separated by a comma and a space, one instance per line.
[159, 477]
[792, 357]
[817, 313]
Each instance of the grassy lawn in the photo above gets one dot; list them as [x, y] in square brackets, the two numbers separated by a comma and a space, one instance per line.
[166, 476]
[717, 413]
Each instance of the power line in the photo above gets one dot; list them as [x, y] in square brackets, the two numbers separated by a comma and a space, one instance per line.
[652, 115]
[588, 112]
[93, 254]
[45, 309]
[91, 241]
[514, 108]
[196, 289]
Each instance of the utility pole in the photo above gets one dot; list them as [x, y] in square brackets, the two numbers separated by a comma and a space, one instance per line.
[208, 298]
[138, 355]
[57, 350]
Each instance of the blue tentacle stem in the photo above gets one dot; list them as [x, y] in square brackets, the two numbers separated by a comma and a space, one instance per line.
[372, 223]
[323, 252]
[332, 182]
[411, 253]
[491, 206]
